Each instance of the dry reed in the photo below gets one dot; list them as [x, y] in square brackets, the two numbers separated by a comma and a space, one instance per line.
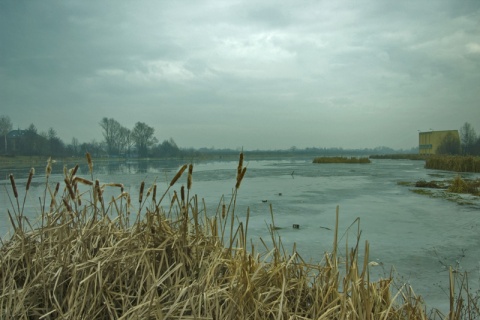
[459, 185]
[177, 262]
[454, 163]
[340, 160]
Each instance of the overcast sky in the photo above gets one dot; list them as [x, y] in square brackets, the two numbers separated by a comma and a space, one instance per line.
[252, 74]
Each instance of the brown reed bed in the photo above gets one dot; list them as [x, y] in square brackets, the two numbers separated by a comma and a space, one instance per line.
[341, 160]
[98, 258]
[400, 156]
[453, 163]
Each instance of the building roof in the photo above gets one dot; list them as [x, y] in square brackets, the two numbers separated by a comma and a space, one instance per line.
[15, 134]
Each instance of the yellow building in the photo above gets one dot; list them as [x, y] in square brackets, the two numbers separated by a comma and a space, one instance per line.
[429, 141]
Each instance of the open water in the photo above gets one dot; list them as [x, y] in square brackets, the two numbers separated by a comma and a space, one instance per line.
[417, 236]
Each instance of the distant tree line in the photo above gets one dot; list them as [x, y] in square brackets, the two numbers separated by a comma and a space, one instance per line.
[118, 141]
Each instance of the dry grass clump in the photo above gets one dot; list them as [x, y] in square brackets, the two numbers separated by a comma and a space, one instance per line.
[456, 185]
[454, 163]
[460, 185]
[89, 260]
[341, 160]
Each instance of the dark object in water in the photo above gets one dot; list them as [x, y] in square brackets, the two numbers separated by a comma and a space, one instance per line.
[296, 226]
[428, 184]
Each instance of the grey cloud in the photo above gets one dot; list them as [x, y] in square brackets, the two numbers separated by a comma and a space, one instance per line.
[295, 71]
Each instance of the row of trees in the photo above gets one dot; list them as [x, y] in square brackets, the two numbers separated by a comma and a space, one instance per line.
[121, 141]
[469, 143]
[118, 141]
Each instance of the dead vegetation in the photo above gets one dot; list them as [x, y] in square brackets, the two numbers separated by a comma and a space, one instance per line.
[93, 258]
[341, 160]
[455, 185]
[453, 163]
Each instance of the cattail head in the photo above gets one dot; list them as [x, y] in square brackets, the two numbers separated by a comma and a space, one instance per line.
[149, 191]
[48, 169]
[100, 194]
[240, 177]
[97, 192]
[57, 187]
[240, 165]
[154, 194]
[73, 171]
[142, 186]
[182, 194]
[111, 184]
[224, 211]
[82, 181]
[178, 175]
[30, 176]
[69, 188]
[189, 179]
[14, 187]
[89, 161]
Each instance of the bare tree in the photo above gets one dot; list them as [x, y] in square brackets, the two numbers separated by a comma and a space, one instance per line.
[468, 137]
[111, 133]
[75, 146]
[5, 128]
[143, 137]
[449, 145]
[125, 140]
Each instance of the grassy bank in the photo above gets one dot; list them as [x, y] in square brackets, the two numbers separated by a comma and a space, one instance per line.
[99, 258]
[340, 160]
[454, 163]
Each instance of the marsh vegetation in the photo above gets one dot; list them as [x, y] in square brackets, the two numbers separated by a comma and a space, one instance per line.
[454, 163]
[93, 256]
[341, 160]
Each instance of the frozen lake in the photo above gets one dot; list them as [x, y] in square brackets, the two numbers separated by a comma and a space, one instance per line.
[415, 234]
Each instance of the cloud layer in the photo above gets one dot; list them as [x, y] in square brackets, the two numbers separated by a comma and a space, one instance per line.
[255, 74]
